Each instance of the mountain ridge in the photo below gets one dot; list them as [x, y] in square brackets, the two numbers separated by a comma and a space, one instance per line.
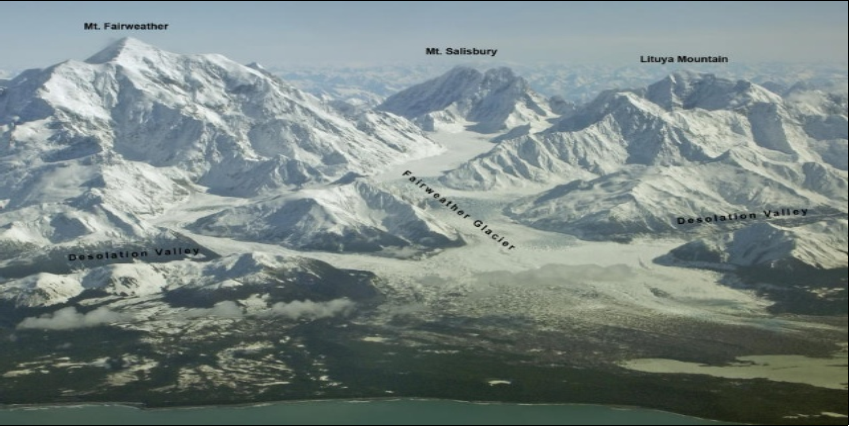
[629, 162]
[493, 101]
[92, 152]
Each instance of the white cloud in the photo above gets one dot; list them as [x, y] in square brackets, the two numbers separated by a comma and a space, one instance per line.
[68, 318]
[312, 310]
[306, 309]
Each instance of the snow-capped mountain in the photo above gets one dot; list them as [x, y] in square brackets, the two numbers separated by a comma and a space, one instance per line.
[494, 101]
[666, 123]
[217, 121]
[91, 151]
[819, 245]
[353, 215]
[689, 145]
[285, 278]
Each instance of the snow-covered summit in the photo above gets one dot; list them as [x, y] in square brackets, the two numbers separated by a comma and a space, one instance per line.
[213, 118]
[689, 90]
[127, 48]
[494, 101]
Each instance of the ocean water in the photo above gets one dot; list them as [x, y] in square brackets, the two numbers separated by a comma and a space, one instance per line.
[349, 412]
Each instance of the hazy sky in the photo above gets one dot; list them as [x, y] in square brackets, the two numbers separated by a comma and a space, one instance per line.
[36, 34]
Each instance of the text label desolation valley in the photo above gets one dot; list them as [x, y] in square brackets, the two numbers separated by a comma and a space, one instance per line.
[730, 217]
[126, 254]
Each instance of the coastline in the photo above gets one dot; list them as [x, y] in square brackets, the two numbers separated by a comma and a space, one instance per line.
[144, 408]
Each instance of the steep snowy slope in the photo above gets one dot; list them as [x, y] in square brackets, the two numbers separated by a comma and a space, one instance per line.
[495, 101]
[822, 110]
[351, 216]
